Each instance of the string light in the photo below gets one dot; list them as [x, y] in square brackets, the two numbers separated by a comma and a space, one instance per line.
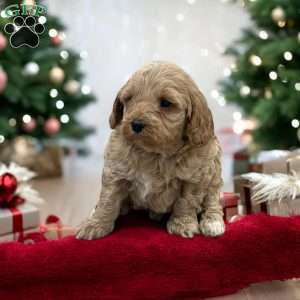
[221, 100]
[245, 90]
[12, 122]
[85, 89]
[191, 2]
[53, 93]
[288, 55]
[239, 127]
[297, 86]
[215, 94]
[83, 54]
[26, 118]
[64, 118]
[180, 17]
[64, 54]
[53, 32]
[227, 72]
[295, 123]
[59, 104]
[273, 75]
[263, 35]
[2, 138]
[42, 19]
[255, 60]
[237, 115]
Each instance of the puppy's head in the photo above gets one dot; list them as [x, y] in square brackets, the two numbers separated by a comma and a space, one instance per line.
[160, 109]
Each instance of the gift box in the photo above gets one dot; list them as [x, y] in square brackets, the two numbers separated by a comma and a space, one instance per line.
[17, 219]
[241, 162]
[249, 205]
[275, 161]
[19, 236]
[231, 205]
[43, 159]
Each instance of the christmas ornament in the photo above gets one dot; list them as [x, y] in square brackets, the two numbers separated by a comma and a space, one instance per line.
[56, 37]
[3, 80]
[52, 126]
[57, 75]
[8, 186]
[31, 69]
[278, 14]
[29, 126]
[72, 87]
[3, 42]
[14, 187]
[56, 40]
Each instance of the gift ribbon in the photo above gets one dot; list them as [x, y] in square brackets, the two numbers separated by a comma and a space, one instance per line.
[17, 223]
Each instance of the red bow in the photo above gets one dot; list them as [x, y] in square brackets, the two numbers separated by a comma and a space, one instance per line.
[8, 187]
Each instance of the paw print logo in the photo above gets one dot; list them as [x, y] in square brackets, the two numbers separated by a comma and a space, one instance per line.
[24, 32]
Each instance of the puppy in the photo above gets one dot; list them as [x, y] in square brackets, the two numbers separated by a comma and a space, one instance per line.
[162, 156]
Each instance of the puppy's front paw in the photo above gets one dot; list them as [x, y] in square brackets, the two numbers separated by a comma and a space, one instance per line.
[93, 229]
[212, 227]
[185, 226]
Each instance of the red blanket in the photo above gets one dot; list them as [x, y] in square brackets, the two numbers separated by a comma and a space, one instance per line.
[141, 261]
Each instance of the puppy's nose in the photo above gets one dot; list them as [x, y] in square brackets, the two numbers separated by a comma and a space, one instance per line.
[137, 126]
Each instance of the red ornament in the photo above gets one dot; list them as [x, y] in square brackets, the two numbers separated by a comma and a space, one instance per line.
[52, 126]
[56, 40]
[8, 186]
[29, 126]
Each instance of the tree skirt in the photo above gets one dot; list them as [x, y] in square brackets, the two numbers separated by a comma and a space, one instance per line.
[141, 261]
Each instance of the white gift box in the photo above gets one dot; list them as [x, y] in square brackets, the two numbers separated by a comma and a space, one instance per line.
[30, 218]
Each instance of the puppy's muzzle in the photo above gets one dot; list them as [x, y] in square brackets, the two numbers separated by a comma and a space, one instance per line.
[137, 126]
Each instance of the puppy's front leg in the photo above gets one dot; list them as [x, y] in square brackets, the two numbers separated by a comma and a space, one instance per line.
[102, 220]
[183, 220]
[212, 223]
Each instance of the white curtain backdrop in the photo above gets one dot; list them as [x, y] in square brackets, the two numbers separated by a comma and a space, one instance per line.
[122, 35]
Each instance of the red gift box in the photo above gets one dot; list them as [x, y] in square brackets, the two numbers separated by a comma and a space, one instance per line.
[230, 203]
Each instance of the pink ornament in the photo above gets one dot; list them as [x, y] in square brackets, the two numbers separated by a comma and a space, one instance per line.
[3, 80]
[3, 42]
[56, 40]
[52, 126]
[29, 126]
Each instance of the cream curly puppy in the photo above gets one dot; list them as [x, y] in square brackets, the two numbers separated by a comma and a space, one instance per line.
[162, 156]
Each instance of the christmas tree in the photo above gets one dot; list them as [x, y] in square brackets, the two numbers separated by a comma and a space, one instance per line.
[264, 81]
[40, 80]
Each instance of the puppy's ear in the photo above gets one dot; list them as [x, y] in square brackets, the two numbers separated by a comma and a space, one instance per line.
[116, 114]
[199, 127]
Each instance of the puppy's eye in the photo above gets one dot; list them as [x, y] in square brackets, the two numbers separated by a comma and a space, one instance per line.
[165, 103]
[127, 99]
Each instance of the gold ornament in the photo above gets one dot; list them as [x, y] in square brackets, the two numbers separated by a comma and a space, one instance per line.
[72, 87]
[57, 75]
[278, 14]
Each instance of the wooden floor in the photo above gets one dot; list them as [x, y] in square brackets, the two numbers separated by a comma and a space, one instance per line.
[74, 195]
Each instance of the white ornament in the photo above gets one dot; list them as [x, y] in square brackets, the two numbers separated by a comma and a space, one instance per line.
[278, 14]
[57, 75]
[72, 87]
[31, 69]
